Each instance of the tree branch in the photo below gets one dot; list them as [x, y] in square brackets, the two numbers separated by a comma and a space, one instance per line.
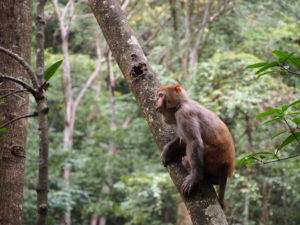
[18, 118]
[221, 10]
[14, 92]
[87, 85]
[70, 17]
[20, 60]
[66, 8]
[277, 160]
[125, 4]
[22, 83]
[289, 71]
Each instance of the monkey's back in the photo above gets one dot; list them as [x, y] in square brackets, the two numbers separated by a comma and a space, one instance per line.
[219, 150]
[219, 153]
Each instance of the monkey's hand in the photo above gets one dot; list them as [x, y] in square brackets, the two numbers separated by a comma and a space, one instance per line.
[164, 159]
[165, 155]
[188, 186]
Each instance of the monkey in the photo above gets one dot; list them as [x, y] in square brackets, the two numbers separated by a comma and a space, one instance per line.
[210, 150]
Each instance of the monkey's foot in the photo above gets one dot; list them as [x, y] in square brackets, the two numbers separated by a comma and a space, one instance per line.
[188, 186]
[164, 159]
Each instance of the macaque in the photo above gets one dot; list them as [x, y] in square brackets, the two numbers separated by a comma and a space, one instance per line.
[210, 151]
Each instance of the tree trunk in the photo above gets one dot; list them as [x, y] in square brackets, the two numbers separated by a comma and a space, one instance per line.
[284, 200]
[15, 33]
[265, 192]
[42, 106]
[106, 189]
[246, 207]
[203, 206]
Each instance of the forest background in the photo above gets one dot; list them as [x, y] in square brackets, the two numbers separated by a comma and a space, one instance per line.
[108, 168]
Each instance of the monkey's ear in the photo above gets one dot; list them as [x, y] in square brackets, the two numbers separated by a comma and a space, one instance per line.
[177, 89]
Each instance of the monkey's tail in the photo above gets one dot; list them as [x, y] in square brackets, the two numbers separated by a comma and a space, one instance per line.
[222, 188]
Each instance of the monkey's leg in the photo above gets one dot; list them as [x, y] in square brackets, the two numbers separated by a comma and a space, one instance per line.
[168, 151]
[195, 155]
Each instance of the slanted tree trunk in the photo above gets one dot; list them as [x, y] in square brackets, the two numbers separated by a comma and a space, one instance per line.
[203, 206]
[15, 35]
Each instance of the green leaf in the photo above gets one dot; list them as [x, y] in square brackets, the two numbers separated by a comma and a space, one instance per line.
[265, 73]
[289, 139]
[272, 120]
[241, 161]
[295, 61]
[267, 113]
[261, 153]
[294, 103]
[267, 66]
[296, 121]
[283, 56]
[52, 69]
[292, 114]
[257, 65]
[284, 108]
[280, 54]
[248, 165]
[279, 133]
[3, 129]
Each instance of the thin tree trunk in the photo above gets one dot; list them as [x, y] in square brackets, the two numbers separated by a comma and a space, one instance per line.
[70, 104]
[173, 9]
[15, 32]
[65, 27]
[246, 208]
[203, 206]
[194, 48]
[284, 200]
[265, 210]
[42, 107]
[112, 147]
[249, 149]
[187, 25]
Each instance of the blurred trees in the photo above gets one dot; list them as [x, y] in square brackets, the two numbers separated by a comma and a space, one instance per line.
[140, 191]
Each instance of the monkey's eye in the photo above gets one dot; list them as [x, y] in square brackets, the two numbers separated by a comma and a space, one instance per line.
[160, 95]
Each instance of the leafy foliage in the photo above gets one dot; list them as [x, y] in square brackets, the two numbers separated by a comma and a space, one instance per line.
[286, 113]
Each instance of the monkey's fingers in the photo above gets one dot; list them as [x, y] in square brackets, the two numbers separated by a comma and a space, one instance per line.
[163, 159]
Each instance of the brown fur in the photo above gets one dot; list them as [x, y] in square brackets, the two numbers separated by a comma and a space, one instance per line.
[210, 149]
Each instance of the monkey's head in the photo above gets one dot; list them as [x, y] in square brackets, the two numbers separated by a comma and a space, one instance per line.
[170, 97]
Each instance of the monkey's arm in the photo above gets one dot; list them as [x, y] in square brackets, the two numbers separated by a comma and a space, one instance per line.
[194, 153]
[171, 150]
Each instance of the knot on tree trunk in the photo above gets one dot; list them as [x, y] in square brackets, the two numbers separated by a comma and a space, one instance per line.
[139, 70]
[43, 208]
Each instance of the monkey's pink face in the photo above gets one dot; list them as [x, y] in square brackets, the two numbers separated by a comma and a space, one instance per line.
[160, 100]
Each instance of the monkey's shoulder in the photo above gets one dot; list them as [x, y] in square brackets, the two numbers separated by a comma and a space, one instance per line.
[195, 109]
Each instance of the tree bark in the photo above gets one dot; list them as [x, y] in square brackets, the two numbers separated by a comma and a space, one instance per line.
[42, 107]
[15, 33]
[203, 206]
